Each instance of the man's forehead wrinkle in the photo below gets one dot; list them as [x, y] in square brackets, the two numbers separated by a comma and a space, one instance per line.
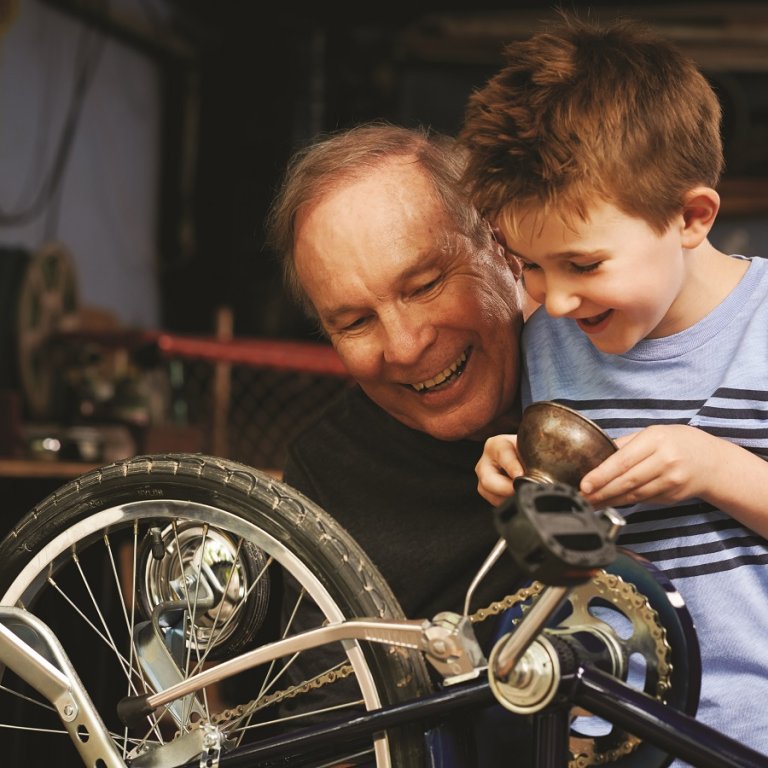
[426, 259]
[330, 315]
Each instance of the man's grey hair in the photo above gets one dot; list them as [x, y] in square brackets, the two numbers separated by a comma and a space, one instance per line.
[335, 159]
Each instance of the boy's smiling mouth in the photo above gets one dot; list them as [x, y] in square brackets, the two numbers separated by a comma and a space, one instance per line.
[595, 323]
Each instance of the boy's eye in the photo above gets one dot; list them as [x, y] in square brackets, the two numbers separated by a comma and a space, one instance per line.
[586, 267]
[529, 266]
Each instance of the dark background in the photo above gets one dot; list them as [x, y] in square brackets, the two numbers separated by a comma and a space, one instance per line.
[271, 78]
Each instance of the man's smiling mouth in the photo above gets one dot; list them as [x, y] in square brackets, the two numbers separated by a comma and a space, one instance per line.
[453, 371]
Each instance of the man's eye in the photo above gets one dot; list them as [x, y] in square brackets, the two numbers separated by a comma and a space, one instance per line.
[355, 325]
[427, 287]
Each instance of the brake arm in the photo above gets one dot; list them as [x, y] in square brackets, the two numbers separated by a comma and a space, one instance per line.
[448, 643]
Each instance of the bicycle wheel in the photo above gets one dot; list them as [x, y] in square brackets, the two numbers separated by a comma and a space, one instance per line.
[192, 552]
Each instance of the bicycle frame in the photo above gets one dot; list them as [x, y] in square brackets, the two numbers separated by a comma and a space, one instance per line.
[48, 670]
[529, 671]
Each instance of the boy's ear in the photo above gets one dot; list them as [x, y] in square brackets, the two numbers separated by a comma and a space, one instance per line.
[700, 208]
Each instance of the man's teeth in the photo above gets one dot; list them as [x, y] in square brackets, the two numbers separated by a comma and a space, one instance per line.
[442, 376]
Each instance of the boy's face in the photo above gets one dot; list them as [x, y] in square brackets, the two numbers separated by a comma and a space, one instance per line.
[617, 278]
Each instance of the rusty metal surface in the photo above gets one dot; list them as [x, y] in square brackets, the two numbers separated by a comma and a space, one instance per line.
[557, 444]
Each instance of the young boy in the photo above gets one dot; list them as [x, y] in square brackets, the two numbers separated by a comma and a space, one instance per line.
[596, 152]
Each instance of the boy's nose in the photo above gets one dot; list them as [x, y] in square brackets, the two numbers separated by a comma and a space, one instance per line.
[560, 301]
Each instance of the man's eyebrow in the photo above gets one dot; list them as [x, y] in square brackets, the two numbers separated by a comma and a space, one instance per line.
[427, 260]
[331, 316]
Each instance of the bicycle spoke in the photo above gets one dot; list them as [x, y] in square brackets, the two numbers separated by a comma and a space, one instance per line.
[19, 695]
[107, 641]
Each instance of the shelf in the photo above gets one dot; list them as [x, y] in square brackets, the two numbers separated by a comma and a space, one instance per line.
[53, 469]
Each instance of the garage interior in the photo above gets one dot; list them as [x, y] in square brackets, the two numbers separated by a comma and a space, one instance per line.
[216, 359]
[141, 310]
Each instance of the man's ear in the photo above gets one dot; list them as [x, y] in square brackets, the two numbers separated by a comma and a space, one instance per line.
[700, 208]
[514, 264]
[509, 257]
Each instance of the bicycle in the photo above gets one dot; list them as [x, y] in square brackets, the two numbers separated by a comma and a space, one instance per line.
[144, 603]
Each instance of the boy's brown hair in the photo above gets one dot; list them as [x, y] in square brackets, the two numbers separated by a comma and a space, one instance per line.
[587, 112]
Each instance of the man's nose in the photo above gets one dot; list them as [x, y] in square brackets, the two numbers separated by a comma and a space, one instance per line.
[407, 334]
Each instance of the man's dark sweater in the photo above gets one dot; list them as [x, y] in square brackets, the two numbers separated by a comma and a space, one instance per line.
[408, 499]
[411, 502]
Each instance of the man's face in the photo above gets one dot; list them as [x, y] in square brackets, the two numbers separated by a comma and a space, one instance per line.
[427, 327]
[614, 276]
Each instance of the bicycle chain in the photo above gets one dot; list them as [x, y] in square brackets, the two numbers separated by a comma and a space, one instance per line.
[609, 586]
[327, 678]
[246, 710]
[533, 590]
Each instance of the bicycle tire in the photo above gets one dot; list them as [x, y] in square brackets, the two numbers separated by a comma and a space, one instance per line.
[132, 505]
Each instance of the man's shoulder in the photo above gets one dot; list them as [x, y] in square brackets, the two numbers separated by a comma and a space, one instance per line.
[354, 428]
[351, 428]
[349, 413]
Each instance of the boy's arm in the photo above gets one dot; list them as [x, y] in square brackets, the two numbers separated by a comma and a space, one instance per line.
[670, 463]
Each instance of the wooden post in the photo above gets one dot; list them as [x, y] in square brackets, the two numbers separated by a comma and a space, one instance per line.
[222, 387]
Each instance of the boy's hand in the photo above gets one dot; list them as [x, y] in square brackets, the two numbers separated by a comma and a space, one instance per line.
[659, 464]
[497, 468]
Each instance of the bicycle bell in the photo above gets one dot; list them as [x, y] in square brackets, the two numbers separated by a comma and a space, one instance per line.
[556, 444]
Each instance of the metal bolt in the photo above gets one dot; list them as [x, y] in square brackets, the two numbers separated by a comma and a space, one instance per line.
[439, 647]
[210, 740]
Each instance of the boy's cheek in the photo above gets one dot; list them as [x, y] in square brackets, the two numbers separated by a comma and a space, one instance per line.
[530, 305]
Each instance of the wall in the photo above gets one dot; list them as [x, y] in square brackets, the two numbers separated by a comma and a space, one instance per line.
[59, 77]
[265, 87]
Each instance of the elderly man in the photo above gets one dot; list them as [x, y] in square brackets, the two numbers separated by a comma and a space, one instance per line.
[381, 246]
[407, 281]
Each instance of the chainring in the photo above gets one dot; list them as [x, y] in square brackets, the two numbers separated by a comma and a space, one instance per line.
[646, 640]
[635, 606]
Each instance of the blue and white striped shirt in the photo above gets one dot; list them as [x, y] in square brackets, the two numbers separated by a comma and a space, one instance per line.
[714, 376]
